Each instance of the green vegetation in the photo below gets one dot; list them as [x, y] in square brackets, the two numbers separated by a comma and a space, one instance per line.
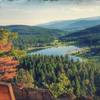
[60, 75]
[57, 73]
[62, 86]
[89, 40]
[24, 77]
[87, 37]
[32, 36]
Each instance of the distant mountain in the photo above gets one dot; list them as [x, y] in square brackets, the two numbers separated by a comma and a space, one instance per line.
[89, 31]
[73, 25]
[87, 35]
[33, 30]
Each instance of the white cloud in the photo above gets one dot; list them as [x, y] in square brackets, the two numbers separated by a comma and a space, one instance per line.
[11, 13]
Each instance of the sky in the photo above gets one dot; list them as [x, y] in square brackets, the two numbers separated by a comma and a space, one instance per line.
[33, 12]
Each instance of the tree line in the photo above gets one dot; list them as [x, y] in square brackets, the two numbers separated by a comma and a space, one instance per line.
[60, 75]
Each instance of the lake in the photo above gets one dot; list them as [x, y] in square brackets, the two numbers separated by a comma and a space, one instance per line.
[60, 51]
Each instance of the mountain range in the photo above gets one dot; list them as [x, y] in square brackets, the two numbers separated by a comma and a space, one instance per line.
[86, 36]
[73, 25]
[83, 28]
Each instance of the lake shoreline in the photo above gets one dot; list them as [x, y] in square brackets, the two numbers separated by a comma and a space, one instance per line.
[59, 51]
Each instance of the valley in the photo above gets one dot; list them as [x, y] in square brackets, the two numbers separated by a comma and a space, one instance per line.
[49, 49]
[55, 59]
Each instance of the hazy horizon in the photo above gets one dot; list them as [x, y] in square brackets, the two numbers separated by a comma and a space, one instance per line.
[34, 12]
[48, 22]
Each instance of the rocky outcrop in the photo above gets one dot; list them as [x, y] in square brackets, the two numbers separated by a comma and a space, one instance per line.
[85, 98]
[66, 96]
[32, 94]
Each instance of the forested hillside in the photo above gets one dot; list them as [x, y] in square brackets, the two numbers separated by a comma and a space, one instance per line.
[89, 36]
[29, 36]
[60, 75]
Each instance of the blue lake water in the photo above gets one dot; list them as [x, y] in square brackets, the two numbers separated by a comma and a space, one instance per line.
[60, 51]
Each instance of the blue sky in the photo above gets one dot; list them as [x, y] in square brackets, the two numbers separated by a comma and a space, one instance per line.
[32, 12]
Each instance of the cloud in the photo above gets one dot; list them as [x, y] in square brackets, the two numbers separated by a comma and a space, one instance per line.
[39, 11]
[52, 1]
